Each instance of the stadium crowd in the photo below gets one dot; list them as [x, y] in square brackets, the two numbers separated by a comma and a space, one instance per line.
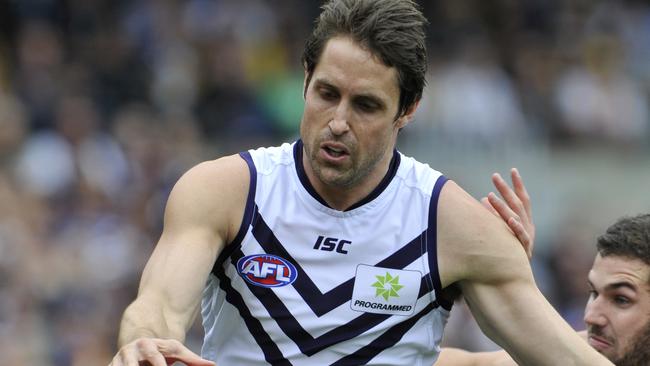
[104, 104]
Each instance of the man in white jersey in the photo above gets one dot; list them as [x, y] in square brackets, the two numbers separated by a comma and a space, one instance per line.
[617, 314]
[337, 249]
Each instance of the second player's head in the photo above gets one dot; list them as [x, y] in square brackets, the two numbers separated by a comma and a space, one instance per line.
[618, 312]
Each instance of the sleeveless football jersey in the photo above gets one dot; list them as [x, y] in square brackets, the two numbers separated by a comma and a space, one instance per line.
[305, 284]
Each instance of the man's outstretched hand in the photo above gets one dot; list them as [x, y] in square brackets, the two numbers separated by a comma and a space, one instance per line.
[514, 208]
[157, 352]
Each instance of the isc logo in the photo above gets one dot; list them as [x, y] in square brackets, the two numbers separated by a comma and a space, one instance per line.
[267, 270]
[330, 244]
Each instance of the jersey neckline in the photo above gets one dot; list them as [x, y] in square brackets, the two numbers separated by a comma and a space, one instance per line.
[304, 180]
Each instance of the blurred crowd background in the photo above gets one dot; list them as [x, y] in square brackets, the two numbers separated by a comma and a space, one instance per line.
[104, 104]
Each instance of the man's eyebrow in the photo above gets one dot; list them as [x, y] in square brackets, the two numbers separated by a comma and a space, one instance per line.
[616, 285]
[621, 284]
[370, 98]
[325, 83]
[322, 82]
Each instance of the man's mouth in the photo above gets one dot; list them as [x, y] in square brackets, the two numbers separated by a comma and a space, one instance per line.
[334, 150]
[598, 342]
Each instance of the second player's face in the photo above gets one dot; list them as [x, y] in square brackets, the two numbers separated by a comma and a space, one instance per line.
[618, 312]
[349, 127]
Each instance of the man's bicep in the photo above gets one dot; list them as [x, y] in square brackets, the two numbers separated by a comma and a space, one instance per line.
[473, 244]
[199, 219]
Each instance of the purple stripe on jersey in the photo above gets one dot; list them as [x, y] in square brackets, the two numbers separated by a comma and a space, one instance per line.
[322, 303]
[249, 211]
[272, 353]
[432, 241]
[383, 342]
[309, 345]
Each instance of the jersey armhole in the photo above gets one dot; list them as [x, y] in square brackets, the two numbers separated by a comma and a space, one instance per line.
[432, 243]
[249, 211]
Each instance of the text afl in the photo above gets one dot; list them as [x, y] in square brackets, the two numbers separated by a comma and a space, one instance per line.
[267, 270]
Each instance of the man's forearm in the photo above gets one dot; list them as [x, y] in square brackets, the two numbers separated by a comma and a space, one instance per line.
[458, 357]
[138, 322]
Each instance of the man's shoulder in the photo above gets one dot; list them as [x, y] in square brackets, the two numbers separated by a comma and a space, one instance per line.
[471, 239]
[231, 166]
[416, 173]
[212, 194]
[215, 180]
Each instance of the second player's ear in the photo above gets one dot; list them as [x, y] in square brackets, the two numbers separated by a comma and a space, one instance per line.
[407, 117]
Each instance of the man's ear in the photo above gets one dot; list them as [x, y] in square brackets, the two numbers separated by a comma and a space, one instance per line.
[404, 119]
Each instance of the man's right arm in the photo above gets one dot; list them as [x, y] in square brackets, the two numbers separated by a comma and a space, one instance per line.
[203, 213]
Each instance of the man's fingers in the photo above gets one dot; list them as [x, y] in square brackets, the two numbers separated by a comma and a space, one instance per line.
[129, 359]
[149, 352]
[156, 360]
[191, 359]
[174, 350]
[157, 352]
[503, 210]
[508, 194]
[127, 356]
[520, 190]
[486, 203]
[514, 208]
[518, 228]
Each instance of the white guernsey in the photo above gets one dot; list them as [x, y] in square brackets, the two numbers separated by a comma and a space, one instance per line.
[304, 284]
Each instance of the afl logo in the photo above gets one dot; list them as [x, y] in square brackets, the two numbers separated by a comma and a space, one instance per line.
[267, 270]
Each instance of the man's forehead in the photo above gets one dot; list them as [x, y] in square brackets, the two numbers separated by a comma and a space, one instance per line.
[324, 81]
[612, 269]
[345, 63]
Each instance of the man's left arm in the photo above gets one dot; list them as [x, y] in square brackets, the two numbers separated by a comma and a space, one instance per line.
[479, 254]
[459, 357]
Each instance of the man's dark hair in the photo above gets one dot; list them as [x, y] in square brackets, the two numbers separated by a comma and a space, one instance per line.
[629, 237]
[392, 30]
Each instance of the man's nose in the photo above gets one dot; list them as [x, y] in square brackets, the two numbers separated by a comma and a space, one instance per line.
[339, 124]
[594, 314]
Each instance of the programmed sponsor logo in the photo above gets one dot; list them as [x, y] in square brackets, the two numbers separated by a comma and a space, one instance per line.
[267, 270]
[385, 290]
[380, 306]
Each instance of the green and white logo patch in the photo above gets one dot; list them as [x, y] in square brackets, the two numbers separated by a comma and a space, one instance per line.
[387, 286]
[385, 290]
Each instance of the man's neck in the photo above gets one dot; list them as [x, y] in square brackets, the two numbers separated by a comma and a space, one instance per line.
[341, 197]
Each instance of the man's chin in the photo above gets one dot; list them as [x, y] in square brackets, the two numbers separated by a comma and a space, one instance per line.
[639, 352]
[335, 176]
[609, 354]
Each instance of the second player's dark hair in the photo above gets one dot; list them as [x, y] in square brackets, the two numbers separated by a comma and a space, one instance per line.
[629, 237]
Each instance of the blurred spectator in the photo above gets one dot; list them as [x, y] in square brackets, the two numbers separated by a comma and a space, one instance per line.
[597, 100]
[104, 104]
[38, 69]
[13, 127]
[471, 98]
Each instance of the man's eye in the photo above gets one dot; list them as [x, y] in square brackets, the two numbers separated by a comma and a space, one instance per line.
[327, 95]
[621, 300]
[367, 106]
